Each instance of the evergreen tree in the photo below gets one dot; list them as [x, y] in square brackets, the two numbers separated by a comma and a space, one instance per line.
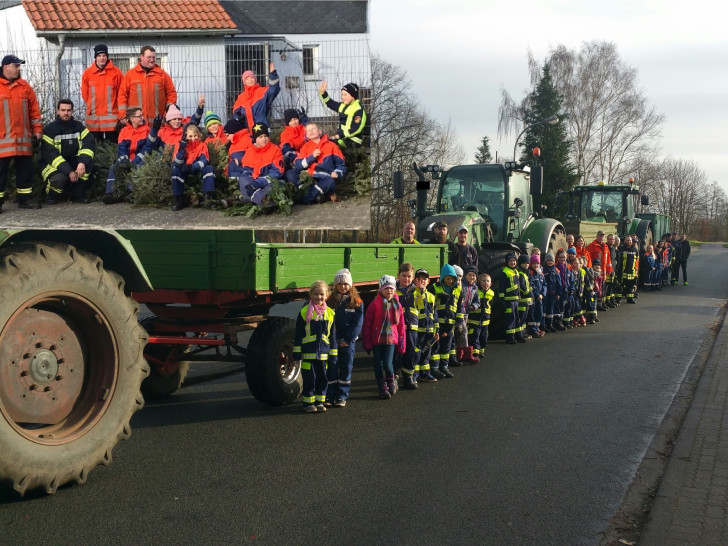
[483, 155]
[559, 174]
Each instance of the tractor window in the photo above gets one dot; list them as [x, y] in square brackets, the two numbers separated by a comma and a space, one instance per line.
[474, 188]
[602, 206]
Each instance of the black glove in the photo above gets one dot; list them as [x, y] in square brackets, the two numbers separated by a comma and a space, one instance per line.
[302, 112]
[239, 114]
[157, 124]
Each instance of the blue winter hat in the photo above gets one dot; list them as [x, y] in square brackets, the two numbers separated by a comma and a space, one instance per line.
[509, 256]
[572, 250]
[447, 271]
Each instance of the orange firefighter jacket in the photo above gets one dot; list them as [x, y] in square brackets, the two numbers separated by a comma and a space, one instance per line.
[151, 91]
[100, 92]
[20, 117]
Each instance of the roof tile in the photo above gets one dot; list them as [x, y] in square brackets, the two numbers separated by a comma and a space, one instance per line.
[105, 15]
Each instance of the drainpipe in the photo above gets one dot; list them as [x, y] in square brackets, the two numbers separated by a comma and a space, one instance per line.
[59, 56]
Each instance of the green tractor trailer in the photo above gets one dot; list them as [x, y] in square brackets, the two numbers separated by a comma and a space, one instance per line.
[76, 362]
[611, 208]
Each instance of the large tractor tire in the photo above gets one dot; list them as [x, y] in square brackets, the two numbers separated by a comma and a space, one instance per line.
[553, 241]
[167, 371]
[71, 365]
[273, 377]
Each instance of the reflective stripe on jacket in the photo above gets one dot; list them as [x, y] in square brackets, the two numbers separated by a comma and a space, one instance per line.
[151, 91]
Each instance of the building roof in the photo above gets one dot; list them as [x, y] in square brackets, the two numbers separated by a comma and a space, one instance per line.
[298, 16]
[104, 16]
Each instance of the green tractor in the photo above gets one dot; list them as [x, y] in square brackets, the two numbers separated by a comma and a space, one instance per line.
[494, 201]
[611, 208]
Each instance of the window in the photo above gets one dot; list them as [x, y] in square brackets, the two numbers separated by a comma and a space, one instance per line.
[310, 61]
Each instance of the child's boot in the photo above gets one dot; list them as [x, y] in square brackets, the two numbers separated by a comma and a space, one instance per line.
[446, 373]
[392, 385]
[469, 356]
[558, 325]
[384, 390]
[408, 382]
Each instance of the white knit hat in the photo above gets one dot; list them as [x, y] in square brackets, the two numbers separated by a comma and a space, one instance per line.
[387, 280]
[343, 276]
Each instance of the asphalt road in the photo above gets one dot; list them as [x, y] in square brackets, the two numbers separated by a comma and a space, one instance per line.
[536, 445]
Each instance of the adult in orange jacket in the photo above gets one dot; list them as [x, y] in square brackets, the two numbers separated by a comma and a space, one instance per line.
[147, 86]
[20, 123]
[100, 86]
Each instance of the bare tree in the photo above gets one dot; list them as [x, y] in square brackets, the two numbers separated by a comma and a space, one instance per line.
[402, 132]
[681, 193]
[610, 123]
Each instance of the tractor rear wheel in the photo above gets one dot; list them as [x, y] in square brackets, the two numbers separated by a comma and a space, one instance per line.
[72, 359]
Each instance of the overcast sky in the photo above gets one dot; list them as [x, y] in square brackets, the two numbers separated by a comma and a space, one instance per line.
[460, 53]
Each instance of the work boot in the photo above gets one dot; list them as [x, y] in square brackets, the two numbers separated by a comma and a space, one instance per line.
[437, 374]
[631, 300]
[179, 202]
[520, 338]
[408, 382]
[109, 199]
[426, 377]
[24, 202]
[511, 339]
[455, 361]
[446, 373]
[559, 325]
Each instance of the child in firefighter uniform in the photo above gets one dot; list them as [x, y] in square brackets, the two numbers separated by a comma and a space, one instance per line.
[479, 319]
[525, 298]
[315, 344]
[427, 334]
[192, 157]
[538, 288]
[552, 280]
[406, 293]
[447, 294]
[262, 163]
[348, 319]
[509, 294]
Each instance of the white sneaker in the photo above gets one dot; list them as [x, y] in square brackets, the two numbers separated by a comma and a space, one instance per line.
[340, 403]
[310, 409]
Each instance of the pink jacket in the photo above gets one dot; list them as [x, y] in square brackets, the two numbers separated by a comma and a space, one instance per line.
[373, 319]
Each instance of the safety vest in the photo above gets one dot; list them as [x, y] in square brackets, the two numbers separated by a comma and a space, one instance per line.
[511, 291]
[315, 343]
[447, 304]
[526, 297]
[425, 308]
[481, 316]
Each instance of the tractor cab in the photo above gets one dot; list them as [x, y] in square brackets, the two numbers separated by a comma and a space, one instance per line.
[488, 191]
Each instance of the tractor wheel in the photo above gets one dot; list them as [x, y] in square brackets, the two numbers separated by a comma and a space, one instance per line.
[71, 350]
[167, 371]
[273, 376]
[555, 241]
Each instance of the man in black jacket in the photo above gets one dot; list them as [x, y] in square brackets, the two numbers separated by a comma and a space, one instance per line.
[66, 155]
[676, 256]
[684, 255]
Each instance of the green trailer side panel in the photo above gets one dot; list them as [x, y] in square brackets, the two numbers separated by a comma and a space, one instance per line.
[297, 266]
[231, 260]
[196, 259]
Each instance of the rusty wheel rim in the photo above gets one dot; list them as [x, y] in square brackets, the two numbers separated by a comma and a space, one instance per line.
[59, 368]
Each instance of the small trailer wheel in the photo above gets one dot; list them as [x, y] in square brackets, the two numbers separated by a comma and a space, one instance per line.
[273, 376]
